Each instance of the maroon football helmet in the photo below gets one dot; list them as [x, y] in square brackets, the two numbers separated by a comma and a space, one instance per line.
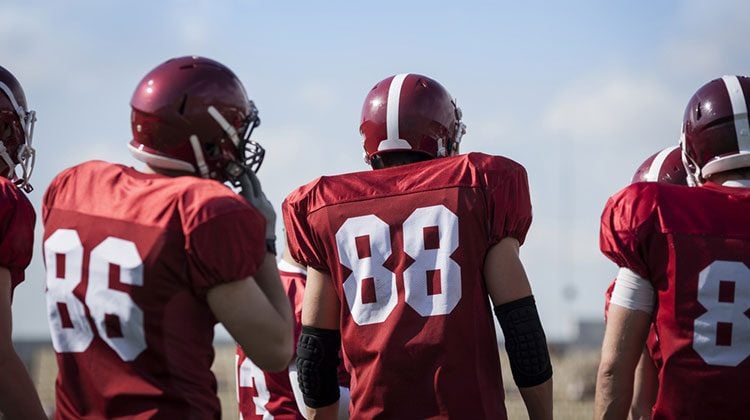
[410, 112]
[663, 166]
[715, 131]
[192, 114]
[16, 132]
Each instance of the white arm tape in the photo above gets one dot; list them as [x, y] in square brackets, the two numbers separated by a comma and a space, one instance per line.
[633, 292]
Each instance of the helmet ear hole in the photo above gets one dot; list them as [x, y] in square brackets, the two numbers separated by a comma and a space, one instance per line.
[182, 105]
[212, 150]
[5, 131]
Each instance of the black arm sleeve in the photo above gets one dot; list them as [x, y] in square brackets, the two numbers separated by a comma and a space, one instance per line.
[525, 342]
[317, 362]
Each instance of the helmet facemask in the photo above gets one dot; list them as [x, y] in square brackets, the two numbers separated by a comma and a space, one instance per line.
[25, 155]
[251, 153]
[460, 131]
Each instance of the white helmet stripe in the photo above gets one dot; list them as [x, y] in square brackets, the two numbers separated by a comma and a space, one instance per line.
[394, 97]
[655, 168]
[739, 109]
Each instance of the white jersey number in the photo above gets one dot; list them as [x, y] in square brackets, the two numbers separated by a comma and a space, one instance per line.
[118, 320]
[722, 334]
[251, 376]
[432, 283]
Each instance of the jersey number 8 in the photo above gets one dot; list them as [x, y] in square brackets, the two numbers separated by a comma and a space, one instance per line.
[722, 334]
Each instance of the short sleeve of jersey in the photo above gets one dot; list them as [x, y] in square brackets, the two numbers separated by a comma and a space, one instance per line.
[227, 246]
[51, 192]
[628, 219]
[508, 198]
[17, 220]
[300, 236]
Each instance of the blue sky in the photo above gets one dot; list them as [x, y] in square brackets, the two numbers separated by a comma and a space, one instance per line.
[579, 92]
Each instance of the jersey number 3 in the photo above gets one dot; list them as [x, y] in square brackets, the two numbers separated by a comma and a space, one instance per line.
[722, 334]
[432, 282]
[118, 320]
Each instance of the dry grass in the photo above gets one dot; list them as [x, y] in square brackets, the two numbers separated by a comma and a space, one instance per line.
[575, 373]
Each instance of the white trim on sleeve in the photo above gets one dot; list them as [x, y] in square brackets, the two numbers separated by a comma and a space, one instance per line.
[633, 292]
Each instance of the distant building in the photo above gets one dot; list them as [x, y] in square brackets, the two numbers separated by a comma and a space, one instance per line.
[590, 333]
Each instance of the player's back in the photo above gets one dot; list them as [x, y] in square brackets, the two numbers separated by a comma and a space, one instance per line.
[405, 247]
[693, 244]
[130, 257]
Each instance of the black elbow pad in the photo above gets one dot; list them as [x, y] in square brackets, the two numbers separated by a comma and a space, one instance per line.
[317, 363]
[525, 342]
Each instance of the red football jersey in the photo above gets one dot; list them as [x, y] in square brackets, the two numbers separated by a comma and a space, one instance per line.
[693, 244]
[405, 247]
[269, 395]
[17, 220]
[130, 257]
[652, 341]
[264, 395]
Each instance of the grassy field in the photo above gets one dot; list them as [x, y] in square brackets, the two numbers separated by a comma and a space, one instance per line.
[574, 377]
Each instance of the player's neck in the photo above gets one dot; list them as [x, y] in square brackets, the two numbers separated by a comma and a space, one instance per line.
[735, 178]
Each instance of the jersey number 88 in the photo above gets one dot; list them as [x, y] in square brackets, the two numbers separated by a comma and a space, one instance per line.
[432, 283]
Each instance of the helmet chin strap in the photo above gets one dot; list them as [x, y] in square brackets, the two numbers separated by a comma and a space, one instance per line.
[199, 158]
[694, 177]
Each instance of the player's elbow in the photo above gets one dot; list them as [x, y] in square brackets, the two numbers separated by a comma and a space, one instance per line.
[276, 352]
[282, 358]
[608, 375]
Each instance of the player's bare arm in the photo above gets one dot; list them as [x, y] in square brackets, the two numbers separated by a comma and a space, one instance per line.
[624, 339]
[260, 324]
[320, 332]
[645, 387]
[18, 398]
[268, 281]
[509, 288]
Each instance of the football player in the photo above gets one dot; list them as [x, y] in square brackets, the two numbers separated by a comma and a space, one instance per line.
[401, 261]
[18, 398]
[142, 264]
[663, 166]
[683, 255]
[276, 394]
